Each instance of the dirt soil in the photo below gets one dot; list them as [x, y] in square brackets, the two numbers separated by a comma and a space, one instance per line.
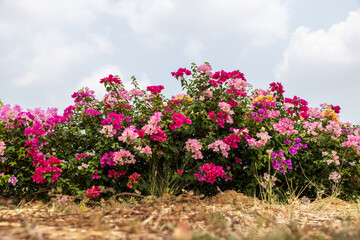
[228, 215]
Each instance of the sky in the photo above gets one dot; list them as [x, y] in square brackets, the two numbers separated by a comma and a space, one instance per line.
[52, 48]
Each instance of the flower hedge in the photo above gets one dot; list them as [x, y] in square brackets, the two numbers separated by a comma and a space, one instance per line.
[220, 133]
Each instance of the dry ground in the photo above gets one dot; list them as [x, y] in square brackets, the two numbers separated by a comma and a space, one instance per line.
[228, 215]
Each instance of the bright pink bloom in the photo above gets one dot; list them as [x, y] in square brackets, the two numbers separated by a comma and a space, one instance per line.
[155, 89]
[94, 191]
[111, 79]
[277, 87]
[179, 119]
[212, 115]
[238, 160]
[210, 172]
[180, 72]
[95, 175]
[179, 172]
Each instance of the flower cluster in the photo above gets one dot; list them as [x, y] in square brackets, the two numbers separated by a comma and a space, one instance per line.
[155, 89]
[83, 97]
[45, 167]
[133, 179]
[293, 149]
[222, 118]
[336, 109]
[178, 121]
[264, 137]
[331, 157]
[13, 180]
[153, 129]
[277, 87]
[110, 79]
[194, 146]
[285, 127]
[238, 87]
[280, 162]
[218, 78]
[180, 72]
[94, 191]
[330, 114]
[203, 68]
[209, 173]
[334, 128]
[115, 174]
[220, 145]
[299, 103]
[352, 141]
[313, 128]
[232, 140]
[123, 156]
[129, 134]
[335, 176]
[146, 150]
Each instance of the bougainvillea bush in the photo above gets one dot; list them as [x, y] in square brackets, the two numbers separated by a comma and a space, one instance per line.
[221, 133]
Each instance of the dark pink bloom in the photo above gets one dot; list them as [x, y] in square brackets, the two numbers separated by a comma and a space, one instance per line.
[95, 175]
[94, 191]
[155, 89]
[180, 72]
[110, 79]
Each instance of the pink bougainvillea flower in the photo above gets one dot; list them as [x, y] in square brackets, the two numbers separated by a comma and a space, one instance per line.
[179, 172]
[13, 180]
[194, 146]
[95, 175]
[146, 150]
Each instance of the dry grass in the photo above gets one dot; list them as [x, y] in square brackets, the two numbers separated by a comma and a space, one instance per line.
[228, 215]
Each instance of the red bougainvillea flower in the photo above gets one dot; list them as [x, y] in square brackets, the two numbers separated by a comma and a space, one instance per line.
[94, 191]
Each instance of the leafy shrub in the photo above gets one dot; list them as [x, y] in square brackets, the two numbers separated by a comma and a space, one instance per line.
[220, 133]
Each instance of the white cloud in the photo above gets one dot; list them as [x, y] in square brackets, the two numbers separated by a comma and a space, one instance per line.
[193, 49]
[46, 56]
[264, 20]
[45, 38]
[324, 64]
[23, 17]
